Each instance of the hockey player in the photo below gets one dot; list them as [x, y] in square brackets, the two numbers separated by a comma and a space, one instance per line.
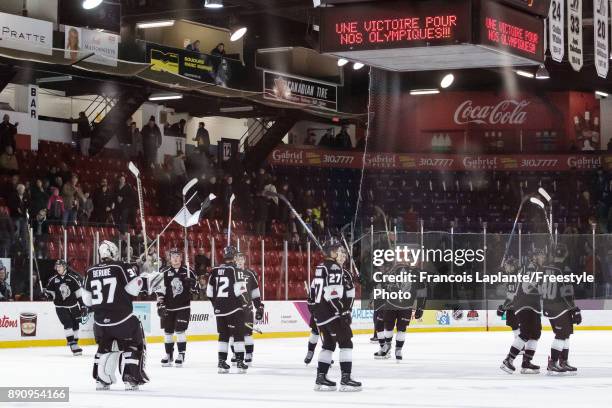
[174, 306]
[510, 268]
[528, 309]
[253, 297]
[332, 319]
[65, 289]
[227, 293]
[109, 290]
[397, 313]
[559, 307]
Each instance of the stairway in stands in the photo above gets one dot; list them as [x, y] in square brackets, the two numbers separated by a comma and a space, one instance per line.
[262, 136]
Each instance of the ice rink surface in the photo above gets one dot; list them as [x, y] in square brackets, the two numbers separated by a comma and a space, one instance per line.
[438, 370]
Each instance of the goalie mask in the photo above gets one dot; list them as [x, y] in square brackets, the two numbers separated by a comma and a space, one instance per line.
[108, 250]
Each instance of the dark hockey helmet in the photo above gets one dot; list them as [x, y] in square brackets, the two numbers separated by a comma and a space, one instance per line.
[229, 253]
[331, 245]
[61, 262]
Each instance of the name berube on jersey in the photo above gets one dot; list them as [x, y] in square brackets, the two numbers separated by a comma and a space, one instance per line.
[110, 301]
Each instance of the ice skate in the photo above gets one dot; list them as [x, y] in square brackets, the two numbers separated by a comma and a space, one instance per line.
[398, 354]
[167, 361]
[102, 386]
[242, 367]
[323, 383]
[374, 339]
[179, 360]
[570, 370]
[223, 367]
[347, 384]
[507, 366]
[383, 353]
[529, 368]
[76, 350]
[233, 361]
[308, 357]
[555, 368]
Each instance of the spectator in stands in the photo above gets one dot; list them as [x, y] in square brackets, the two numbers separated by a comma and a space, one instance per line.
[51, 175]
[55, 206]
[85, 209]
[18, 205]
[219, 64]
[5, 287]
[125, 205]
[64, 172]
[176, 129]
[83, 136]
[7, 231]
[260, 179]
[125, 139]
[136, 143]
[261, 213]
[40, 228]
[327, 140]
[71, 194]
[202, 139]
[8, 131]
[102, 200]
[283, 208]
[177, 169]
[38, 197]
[8, 162]
[194, 46]
[244, 198]
[343, 139]
[151, 141]
[311, 139]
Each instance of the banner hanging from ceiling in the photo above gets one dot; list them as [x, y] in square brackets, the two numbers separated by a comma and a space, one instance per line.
[104, 45]
[556, 28]
[574, 34]
[600, 28]
[299, 90]
[26, 34]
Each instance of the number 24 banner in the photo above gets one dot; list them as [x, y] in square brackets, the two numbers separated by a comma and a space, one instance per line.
[556, 29]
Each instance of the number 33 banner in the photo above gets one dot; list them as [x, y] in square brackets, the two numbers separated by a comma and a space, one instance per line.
[600, 15]
[574, 35]
[556, 30]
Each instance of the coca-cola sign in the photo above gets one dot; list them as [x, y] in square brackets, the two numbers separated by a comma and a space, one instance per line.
[506, 112]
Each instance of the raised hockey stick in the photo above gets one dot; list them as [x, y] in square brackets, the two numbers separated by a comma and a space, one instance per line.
[186, 189]
[134, 170]
[349, 251]
[297, 216]
[384, 217]
[229, 221]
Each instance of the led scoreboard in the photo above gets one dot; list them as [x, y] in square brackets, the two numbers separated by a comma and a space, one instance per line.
[394, 24]
[511, 27]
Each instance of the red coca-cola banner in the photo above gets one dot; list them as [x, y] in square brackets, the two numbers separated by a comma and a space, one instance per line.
[288, 156]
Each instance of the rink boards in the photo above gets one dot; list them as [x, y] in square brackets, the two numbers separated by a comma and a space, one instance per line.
[28, 324]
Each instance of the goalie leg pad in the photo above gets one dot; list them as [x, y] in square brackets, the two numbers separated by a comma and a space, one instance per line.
[107, 365]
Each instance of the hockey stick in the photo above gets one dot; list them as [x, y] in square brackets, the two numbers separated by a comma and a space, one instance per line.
[186, 189]
[252, 327]
[350, 254]
[134, 170]
[295, 213]
[384, 217]
[229, 221]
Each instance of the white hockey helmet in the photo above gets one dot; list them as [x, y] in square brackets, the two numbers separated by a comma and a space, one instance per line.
[108, 250]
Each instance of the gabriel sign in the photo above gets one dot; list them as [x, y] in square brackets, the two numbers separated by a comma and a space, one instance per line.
[506, 112]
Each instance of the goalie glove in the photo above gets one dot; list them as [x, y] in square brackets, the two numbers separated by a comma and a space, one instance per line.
[576, 316]
[259, 313]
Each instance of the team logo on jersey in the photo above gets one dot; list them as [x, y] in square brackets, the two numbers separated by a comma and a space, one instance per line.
[64, 291]
[177, 287]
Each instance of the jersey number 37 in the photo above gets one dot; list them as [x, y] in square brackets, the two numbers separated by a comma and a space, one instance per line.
[99, 288]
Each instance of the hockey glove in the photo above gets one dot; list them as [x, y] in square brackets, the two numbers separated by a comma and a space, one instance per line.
[576, 316]
[347, 316]
[161, 309]
[259, 313]
[84, 312]
[501, 310]
[418, 313]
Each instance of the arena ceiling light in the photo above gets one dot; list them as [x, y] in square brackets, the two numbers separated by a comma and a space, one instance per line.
[165, 96]
[357, 66]
[524, 73]
[156, 24]
[432, 91]
[342, 62]
[447, 81]
[238, 33]
[601, 94]
[213, 4]
[91, 4]
[542, 73]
